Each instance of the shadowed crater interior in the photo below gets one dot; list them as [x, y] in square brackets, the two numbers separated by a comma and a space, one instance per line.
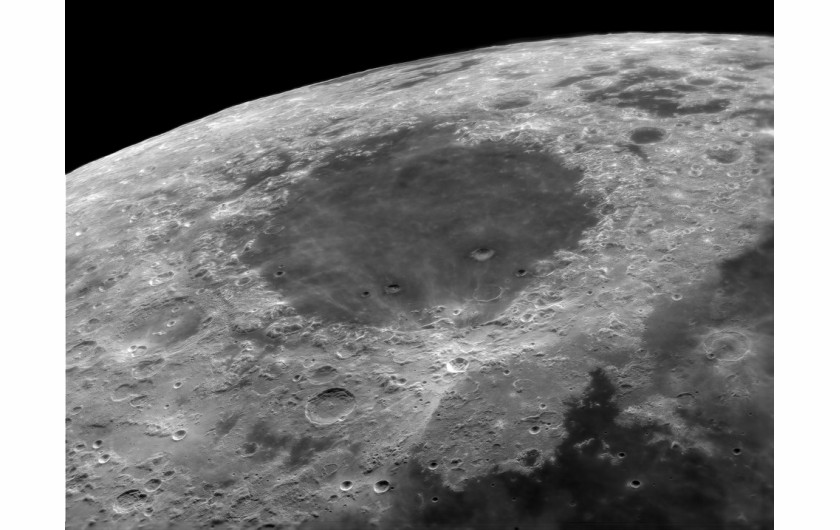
[393, 227]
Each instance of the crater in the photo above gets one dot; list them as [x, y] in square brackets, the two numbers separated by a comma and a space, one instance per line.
[160, 328]
[723, 155]
[330, 406]
[388, 235]
[726, 345]
[647, 135]
[323, 374]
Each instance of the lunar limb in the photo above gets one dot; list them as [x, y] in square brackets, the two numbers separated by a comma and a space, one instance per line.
[522, 286]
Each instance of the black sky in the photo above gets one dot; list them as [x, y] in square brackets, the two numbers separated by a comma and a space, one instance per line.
[144, 73]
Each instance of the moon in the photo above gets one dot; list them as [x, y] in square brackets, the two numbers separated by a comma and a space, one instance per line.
[521, 286]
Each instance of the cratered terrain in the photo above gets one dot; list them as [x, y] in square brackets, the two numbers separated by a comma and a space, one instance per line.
[526, 286]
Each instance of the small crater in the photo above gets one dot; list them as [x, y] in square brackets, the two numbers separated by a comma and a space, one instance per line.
[104, 459]
[530, 457]
[534, 429]
[433, 465]
[382, 486]
[330, 406]
[152, 484]
[392, 288]
[457, 365]
[97, 444]
[635, 484]
[179, 435]
[346, 486]
[482, 254]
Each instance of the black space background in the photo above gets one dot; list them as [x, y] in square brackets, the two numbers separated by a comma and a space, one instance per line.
[143, 72]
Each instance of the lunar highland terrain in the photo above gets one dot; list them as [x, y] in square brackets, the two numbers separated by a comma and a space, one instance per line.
[527, 286]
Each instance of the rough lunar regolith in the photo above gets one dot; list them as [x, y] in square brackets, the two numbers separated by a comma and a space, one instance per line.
[524, 286]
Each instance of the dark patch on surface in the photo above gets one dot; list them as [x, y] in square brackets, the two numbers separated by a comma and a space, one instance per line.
[530, 457]
[761, 118]
[269, 444]
[662, 102]
[659, 101]
[306, 448]
[647, 135]
[741, 293]
[514, 75]
[577, 78]
[627, 80]
[739, 78]
[225, 425]
[409, 213]
[729, 87]
[684, 88]
[427, 76]
[512, 104]
[702, 81]
[713, 106]
[653, 486]
[744, 61]
[724, 155]
[761, 97]
[733, 311]
[648, 75]
[756, 65]
[425, 66]
[629, 63]
[596, 67]
[751, 275]
[763, 151]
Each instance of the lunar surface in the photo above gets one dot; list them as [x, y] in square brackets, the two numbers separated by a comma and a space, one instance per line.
[526, 286]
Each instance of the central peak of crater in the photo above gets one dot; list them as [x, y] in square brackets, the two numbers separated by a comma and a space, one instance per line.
[412, 227]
